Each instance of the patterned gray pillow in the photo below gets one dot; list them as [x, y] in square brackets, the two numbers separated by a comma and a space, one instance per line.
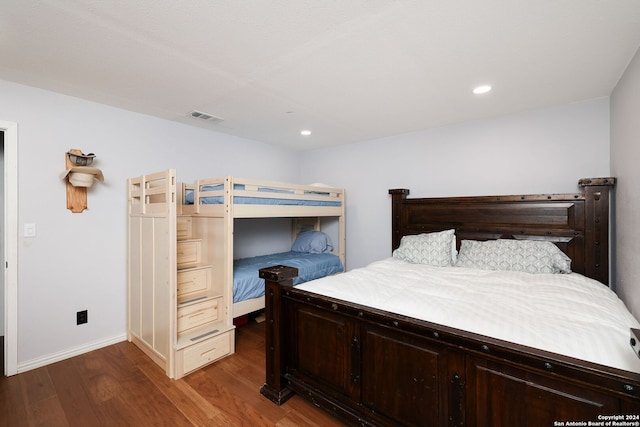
[531, 256]
[428, 248]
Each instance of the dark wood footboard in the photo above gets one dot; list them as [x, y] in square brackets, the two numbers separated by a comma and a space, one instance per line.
[370, 367]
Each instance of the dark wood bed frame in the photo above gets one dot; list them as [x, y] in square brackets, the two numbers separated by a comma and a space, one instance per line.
[371, 367]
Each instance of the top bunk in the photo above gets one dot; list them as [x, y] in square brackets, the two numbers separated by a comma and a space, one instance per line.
[153, 194]
[235, 197]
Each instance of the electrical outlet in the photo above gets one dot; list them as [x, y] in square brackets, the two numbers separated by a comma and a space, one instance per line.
[81, 317]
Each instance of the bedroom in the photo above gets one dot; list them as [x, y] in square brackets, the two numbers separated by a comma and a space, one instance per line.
[597, 137]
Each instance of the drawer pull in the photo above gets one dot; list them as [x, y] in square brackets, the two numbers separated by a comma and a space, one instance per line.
[209, 351]
[192, 300]
[206, 334]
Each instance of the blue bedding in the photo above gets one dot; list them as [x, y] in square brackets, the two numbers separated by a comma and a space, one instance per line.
[216, 200]
[247, 284]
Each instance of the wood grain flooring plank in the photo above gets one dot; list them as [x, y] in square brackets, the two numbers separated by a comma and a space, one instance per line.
[294, 419]
[37, 385]
[119, 387]
[147, 405]
[188, 401]
[243, 404]
[305, 410]
[41, 402]
[72, 393]
[12, 404]
[47, 413]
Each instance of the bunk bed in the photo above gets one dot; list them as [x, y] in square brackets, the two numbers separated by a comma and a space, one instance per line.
[404, 365]
[234, 198]
[180, 258]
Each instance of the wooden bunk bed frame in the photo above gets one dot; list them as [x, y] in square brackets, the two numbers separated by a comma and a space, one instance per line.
[180, 262]
[251, 188]
[435, 375]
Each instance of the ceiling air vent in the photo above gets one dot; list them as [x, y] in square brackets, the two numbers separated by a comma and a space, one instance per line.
[204, 116]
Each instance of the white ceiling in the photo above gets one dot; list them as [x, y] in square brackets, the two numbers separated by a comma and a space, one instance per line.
[348, 70]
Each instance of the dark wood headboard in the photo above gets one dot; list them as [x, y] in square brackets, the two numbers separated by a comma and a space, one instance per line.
[577, 223]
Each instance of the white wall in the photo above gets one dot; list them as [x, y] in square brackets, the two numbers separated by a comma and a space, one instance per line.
[78, 261]
[260, 236]
[545, 151]
[625, 157]
[2, 232]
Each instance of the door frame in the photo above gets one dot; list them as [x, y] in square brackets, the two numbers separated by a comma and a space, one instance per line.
[10, 130]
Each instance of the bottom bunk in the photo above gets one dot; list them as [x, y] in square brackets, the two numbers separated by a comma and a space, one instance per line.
[311, 251]
[248, 288]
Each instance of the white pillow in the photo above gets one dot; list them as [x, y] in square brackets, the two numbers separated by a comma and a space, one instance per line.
[532, 256]
[433, 249]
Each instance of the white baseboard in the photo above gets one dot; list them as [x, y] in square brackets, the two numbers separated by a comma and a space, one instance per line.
[66, 354]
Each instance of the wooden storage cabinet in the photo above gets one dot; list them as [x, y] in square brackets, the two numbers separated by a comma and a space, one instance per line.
[203, 353]
[179, 308]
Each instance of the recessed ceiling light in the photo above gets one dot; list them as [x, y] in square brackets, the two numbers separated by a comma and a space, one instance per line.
[305, 132]
[482, 89]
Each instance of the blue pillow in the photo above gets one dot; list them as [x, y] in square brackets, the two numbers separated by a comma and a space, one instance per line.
[313, 242]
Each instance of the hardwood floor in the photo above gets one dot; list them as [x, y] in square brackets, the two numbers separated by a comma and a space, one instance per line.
[119, 386]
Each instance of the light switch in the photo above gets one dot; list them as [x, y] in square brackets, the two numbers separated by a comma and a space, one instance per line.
[29, 230]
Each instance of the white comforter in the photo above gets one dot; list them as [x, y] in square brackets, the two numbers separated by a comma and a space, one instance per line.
[562, 313]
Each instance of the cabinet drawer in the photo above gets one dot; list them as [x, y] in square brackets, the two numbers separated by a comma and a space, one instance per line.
[197, 314]
[183, 227]
[192, 282]
[205, 352]
[189, 253]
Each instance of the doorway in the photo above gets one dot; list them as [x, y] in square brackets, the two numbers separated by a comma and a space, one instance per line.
[9, 243]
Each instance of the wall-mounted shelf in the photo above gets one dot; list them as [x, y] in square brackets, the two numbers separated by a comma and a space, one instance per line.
[76, 196]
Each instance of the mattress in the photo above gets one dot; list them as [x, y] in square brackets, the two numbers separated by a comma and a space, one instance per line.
[568, 314]
[247, 284]
[215, 200]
